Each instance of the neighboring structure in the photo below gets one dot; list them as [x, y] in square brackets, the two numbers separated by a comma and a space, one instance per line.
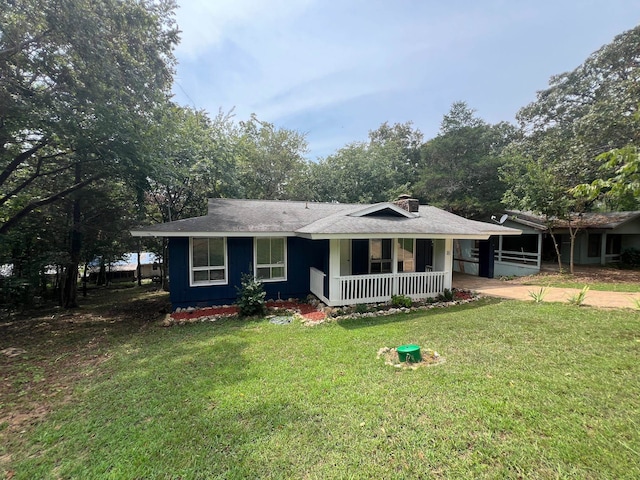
[126, 269]
[342, 253]
[600, 240]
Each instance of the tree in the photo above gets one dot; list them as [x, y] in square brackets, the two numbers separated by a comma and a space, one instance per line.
[78, 80]
[588, 111]
[582, 114]
[460, 166]
[535, 187]
[193, 160]
[270, 161]
[618, 187]
[374, 171]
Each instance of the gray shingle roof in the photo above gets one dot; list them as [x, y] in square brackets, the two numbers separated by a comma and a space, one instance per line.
[588, 220]
[321, 220]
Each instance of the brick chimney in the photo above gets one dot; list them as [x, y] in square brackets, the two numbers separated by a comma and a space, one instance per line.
[407, 203]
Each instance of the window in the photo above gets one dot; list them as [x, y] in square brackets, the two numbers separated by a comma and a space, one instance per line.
[380, 255]
[593, 245]
[208, 261]
[270, 255]
[406, 259]
[614, 244]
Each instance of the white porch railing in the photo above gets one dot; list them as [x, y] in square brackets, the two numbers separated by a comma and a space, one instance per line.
[508, 256]
[354, 289]
[380, 287]
[316, 280]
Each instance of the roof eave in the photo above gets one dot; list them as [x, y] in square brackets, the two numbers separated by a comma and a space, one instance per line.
[159, 233]
[431, 236]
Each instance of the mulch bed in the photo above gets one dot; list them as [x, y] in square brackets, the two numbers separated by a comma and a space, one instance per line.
[306, 310]
[309, 312]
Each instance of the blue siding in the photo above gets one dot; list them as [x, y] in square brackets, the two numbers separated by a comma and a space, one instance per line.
[301, 255]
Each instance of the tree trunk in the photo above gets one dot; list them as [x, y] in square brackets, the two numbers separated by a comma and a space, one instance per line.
[70, 288]
[572, 236]
[85, 279]
[101, 278]
[139, 268]
[557, 248]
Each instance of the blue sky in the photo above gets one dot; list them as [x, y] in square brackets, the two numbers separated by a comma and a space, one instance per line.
[336, 69]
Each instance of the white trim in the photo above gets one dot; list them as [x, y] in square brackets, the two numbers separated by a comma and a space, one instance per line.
[381, 260]
[209, 283]
[157, 233]
[366, 236]
[270, 265]
[322, 236]
[396, 258]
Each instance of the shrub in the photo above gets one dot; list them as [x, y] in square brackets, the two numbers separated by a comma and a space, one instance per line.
[446, 296]
[362, 308]
[630, 258]
[398, 301]
[578, 298]
[539, 295]
[251, 297]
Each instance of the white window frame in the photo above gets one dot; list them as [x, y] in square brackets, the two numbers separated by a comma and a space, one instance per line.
[269, 265]
[192, 269]
[381, 260]
[413, 254]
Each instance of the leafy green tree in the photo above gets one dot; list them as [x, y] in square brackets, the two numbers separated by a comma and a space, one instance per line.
[535, 187]
[270, 162]
[583, 114]
[460, 166]
[193, 159]
[78, 80]
[351, 175]
[375, 171]
[618, 187]
[586, 112]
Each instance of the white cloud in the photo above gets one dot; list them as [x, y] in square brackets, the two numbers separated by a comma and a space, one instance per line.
[205, 23]
[284, 59]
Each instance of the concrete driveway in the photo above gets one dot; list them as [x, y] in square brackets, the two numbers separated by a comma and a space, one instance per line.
[504, 289]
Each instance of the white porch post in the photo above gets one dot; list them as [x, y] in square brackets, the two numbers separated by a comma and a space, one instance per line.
[443, 259]
[334, 269]
[603, 249]
[500, 248]
[448, 262]
[394, 265]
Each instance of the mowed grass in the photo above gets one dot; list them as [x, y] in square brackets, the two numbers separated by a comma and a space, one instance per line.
[527, 391]
[600, 286]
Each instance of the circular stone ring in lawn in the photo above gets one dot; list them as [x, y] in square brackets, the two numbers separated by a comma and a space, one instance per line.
[430, 358]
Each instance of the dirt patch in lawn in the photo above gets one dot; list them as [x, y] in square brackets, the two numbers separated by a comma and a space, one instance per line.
[582, 274]
[45, 352]
[390, 356]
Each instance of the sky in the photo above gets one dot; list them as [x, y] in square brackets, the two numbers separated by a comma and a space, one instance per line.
[336, 69]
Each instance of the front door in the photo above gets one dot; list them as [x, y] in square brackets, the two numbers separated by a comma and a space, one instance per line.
[486, 255]
[359, 257]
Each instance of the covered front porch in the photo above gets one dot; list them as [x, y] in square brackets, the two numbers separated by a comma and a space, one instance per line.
[373, 270]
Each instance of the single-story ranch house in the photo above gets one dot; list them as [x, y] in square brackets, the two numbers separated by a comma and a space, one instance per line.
[342, 253]
[601, 239]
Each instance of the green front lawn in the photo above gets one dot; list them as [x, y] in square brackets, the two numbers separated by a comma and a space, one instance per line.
[527, 391]
[604, 287]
